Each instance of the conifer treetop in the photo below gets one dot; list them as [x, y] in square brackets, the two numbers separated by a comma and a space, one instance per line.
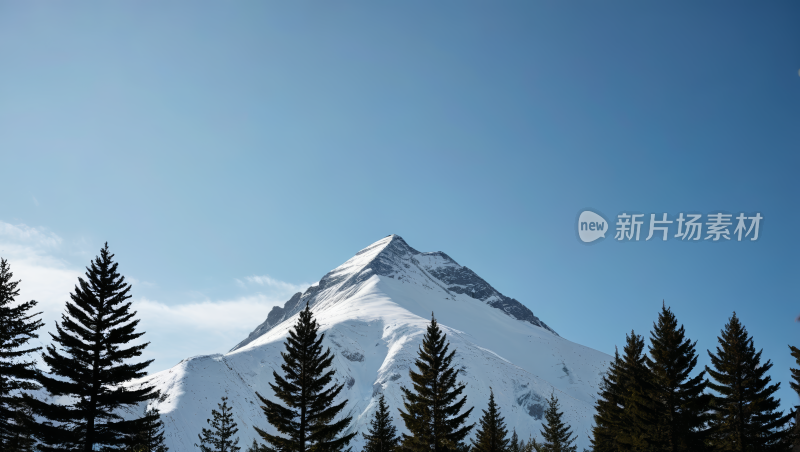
[745, 413]
[432, 406]
[306, 420]
[557, 435]
[90, 359]
[220, 437]
[492, 435]
[680, 402]
[381, 435]
[17, 368]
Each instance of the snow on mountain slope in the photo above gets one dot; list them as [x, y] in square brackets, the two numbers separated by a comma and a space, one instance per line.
[374, 310]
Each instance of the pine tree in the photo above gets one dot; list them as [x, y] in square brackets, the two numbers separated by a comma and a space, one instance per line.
[745, 416]
[91, 363]
[557, 435]
[17, 327]
[432, 407]
[636, 430]
[219, 438]
[21, 439]
[516, 444]
[382, 436]
[626, 413]
[149, 436]
[307, 420]
[794, 437]
[609, 412]
[492, 433]
[255, 447]
[680, 401]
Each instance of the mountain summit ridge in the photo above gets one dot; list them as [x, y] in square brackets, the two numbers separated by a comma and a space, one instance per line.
[373, 311]
[386, 257]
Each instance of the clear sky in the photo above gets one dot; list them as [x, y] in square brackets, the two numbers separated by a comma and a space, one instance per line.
[231, 153]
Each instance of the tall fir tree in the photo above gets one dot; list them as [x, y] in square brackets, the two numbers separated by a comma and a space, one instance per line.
[680, 401]
[492, 435]
[795, 384]
[149, 433]
[432, 407]
[625, 417]
[609, 408]
[382, 434]
[745, 414]
[18, 325]
[220, 437]
[557, 435]
[21, 439]
[636, 429]
[515, 444]
[255, 447]
[308, 419]
[89, 361]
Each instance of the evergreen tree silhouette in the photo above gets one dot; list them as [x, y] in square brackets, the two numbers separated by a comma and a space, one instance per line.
[516, 444]
[382, 436]
[608, 416]
[680, 402]
[745, 413]
[432, 406]
[794, 437]
[625, 411]
[89, 361]
[635, 431]
[556, 434]
[18, 325]
[149, 435]
[255, 447]
[220, 437]
[492, 435]
[308, 419]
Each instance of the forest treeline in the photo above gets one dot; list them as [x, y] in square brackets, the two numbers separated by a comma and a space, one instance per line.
[651, 398]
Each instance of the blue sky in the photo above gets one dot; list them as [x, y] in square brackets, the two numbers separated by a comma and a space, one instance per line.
[233, 153]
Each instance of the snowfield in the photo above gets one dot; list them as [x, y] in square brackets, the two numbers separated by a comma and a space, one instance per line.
[374, 310]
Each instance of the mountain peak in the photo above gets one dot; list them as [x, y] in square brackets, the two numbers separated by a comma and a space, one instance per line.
[392, 257]
[373, 312]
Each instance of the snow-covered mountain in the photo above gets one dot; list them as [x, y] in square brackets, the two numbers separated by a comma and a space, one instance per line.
[374, 310]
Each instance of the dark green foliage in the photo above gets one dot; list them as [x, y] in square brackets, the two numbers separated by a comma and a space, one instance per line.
[795, 383]
[17, 327]
[382, 436]
[149, 433]
[515, 444]
[608, 416]
[557, 436]
[625, 412]
[89, 360]
[21, 440]
[635, 431]
[307, 420]
[492, 435]
[794, 437]
[255, 447]
[745, 416]
[432, 407]
[680, 403]
[219, 438]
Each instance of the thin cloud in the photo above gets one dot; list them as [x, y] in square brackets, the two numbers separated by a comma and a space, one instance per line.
[175, 330]
[270, 282]
[23, 234]
[218, 317]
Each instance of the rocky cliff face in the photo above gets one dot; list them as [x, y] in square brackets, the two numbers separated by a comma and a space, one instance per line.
[394, 258]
